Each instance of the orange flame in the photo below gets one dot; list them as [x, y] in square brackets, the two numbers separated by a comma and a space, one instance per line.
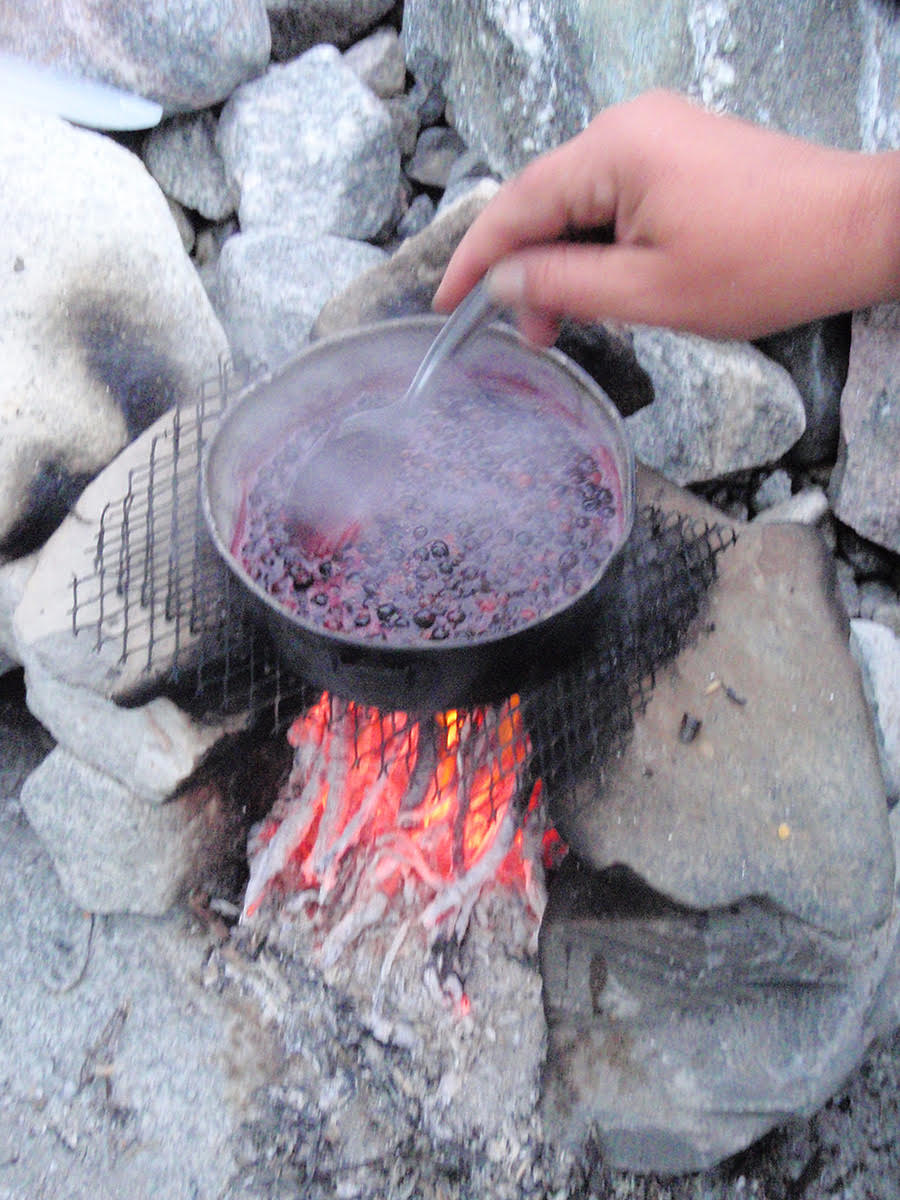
[444, 815]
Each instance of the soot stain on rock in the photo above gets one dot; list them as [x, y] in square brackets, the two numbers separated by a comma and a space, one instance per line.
[52, 491]
[140, 376]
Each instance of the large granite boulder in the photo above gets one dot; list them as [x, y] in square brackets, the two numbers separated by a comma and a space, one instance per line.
[186, 54]
[522, 78]
[103, 321]
[311, 150]
[515, 78]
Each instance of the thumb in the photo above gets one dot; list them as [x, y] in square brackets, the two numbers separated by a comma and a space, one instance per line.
[584, 282]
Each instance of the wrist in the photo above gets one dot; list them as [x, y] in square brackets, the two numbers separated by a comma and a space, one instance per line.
[868, 230]
[885, 233]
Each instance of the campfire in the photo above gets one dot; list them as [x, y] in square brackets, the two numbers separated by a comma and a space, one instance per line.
[396, 872]
[425, 815]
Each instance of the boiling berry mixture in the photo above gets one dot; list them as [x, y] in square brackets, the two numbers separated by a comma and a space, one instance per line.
[501, 508]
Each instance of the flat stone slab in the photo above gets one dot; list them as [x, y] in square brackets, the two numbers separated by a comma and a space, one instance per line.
[41, 626]
[677, 1038]
[150, 749]
[779, 793]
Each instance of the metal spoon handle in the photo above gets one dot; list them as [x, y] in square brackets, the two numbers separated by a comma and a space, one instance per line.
[476, 310]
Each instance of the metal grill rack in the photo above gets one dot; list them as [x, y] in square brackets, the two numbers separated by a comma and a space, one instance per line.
[158, 594]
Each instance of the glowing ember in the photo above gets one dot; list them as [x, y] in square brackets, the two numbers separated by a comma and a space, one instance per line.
[378, 808]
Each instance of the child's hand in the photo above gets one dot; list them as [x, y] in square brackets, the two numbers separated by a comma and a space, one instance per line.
[720, 227]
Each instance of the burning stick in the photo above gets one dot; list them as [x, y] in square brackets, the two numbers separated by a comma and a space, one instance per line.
[376, 803]
[462, 893]
[269, 856]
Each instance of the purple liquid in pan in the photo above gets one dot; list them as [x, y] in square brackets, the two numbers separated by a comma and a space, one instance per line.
[500, 509]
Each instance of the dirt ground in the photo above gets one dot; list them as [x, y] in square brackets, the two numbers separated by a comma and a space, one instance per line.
[128, 1068]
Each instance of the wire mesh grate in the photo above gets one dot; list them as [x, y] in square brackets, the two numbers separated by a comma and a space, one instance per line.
[157, 594]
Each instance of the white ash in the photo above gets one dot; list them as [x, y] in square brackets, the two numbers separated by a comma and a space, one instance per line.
[439, 965]
[469, 1016]
[388, 1088]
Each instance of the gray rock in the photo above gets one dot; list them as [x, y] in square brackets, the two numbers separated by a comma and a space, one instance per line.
[416, 218]
[875, 594]
[378, 61]
[182, 157]
[774, 489]
[428, 101]
[311, 150]
[816, 356]
[719, 407]
[13, 577]
[207, 248]
[515, 76]
[847, 587]
[808, 507]
[408, 280]
[405, 122]
[685, 1023]
[888, 615]
[150, 750]
[469, 165]
[437, 149]
[677, 1038]
[299, 24]
[877, 650]
[606, 351]
[522, 78]
[103, 322]
[186, 54]
[869, 561]
[387, 234]
[879, 110]
[456, 192]
[183, 225]
[780, 795]
[80, 814]
[271, 287]
[142, 1001]
[865, 485]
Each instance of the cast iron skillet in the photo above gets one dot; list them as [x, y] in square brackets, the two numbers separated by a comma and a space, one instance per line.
[311, 392]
